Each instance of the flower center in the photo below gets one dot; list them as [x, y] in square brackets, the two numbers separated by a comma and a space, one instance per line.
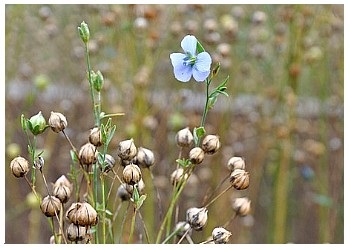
[189, 60]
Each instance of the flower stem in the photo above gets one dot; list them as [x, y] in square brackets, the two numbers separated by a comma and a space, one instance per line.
[132, 227]
[205, 111]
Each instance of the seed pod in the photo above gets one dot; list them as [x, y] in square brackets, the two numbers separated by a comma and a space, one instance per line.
[197, 217]
[241, 206]
[76, 232]
[37, 124]
[84, 32]
[86, 215]
[184, 137]
[123, 193]
[52, 239]
[178, 176]
[127, 150]
[71, 213]
[210, 144]
[140, 187]
[88, 154]
[62, 189]
[57, 122]
[19, 166]
[131, 174]
[109, 163]
[221, 235]
[239, 179]
[50, 206]
[235, 163]
[95, 137]
[145, 158]
[196, 155]
[181, 227]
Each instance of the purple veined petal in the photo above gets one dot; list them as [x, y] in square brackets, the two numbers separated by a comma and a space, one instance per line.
[203, 62]
[182, 72]
[189, 44]
[200, 76]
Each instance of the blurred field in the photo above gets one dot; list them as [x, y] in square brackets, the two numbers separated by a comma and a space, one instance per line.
[284, 115]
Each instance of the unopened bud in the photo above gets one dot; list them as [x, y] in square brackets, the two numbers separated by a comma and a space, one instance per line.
[37, 124]
[184, 137]
[145, 158]
[131, 174]
[196, 155]
[239, 179]
[241, 206]
[178, 176]
[76, 233]
[197, 217]
[87, 154]
[57, 122]
[127, 150]
[62, 189]
[98, 81]
[50, 206]
[210, 144]
[84, 32]
[235, 163]
[19, 166]
[221, 235]
[95, 137]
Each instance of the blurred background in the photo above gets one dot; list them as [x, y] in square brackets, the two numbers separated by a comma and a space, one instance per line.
[284, 113]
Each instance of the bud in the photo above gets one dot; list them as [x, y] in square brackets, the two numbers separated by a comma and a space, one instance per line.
[98, 81]
[178, 176]
[235, 163]
[131, 174]
[145, 158]
[241, 206]
[37, 124]
[184, 137]
[109, 163]
[196, 155]
[221, 235]
[82, 214]
[197, 217]
[95, 137]
[87, 154]
[216, 70]
[84, 32]
[76, 232]
[122, 193]
[140, 187]
[239, 179]
[182, 227]
[57, 122]
[210, 144]
[62, 189]
[50, 206]
[127, 150]
[19, 166]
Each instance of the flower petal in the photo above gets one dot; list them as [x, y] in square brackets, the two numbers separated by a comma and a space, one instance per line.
[200, 76]
[189, 44]
[203, 62]
[182, 72]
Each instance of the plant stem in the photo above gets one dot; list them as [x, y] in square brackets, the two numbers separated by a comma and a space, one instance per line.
[205, 111]
[132, 227]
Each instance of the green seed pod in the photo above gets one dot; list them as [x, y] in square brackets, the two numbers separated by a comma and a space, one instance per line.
[37, 124]
[19, 166]
[84, 32]
[98, 81]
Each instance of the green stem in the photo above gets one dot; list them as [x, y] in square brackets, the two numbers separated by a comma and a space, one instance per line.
[103, 209]
[132, 227]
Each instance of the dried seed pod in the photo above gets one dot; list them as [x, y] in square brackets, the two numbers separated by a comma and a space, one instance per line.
[221, 235]
[140, 187]
[145, 158]
[62, 189]
[131, 174]
[52, 239]
[239, 179]
[76, 232]
[211, 144]
[197, 217]
[123, 193]
[127, 150]
[19, 166]
[181, 227]
[196, 155]
[235, 163]
[184, 137]
[57, 122]
[178, 176]
[50, 206]
[86, 215]
[109, 163]
[71, 213]
[241, 206]
[88, 154]
[95, 137]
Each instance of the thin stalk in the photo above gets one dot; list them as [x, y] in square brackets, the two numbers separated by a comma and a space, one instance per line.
[205, 111]
[184, 235]
[103, 209]
[132, 227]
[217, 197]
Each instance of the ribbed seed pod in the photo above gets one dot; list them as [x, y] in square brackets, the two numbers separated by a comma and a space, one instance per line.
[184, 137]
[210, 144]
[62, 189]
[239, 179]
[131, 174]
[145, 158]
[19, 166]
[95, 137]
[196, 155]
[241, 206]
[221, 235]
[235, 162]
[88, 154]
[178, 176]
[50, 206]
[197, 217]
[76, 232]
[57, 122]
[127, 150]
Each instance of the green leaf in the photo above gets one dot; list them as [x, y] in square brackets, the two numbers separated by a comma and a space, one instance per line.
[140, 201]
[111, 134]
[198, 133]
[135, 195]
[199, 48]
[24, 123]
[73, 156]
[108, 212]
[183, 162]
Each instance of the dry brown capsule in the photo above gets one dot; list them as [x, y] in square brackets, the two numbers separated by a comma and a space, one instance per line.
[87, 154]
[76, 232]
[178, 176]
[184, 137]
[211, 144]
[235, 163]
[109, 163]
[197, 217]
[239, 179]
[145, 158]
[71, 213]
[57, 122]
[50, 206]
[19, 166]
[123, 193]
[86, 215]
[131, 174]
[241, 206]
[140, 187]
[221, 235]
[62, 189]
[95, 137]
[127, 150]
[196, 155]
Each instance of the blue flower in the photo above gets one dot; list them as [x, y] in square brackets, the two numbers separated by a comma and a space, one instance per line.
[188, 64]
